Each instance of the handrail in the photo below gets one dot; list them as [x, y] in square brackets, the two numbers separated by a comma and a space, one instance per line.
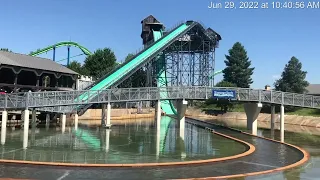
[58, 99]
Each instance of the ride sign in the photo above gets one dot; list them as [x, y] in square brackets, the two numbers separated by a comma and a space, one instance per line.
[226, 94]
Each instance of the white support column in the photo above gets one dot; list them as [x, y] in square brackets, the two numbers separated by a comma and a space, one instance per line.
[76, 118]
[272, 121]
[273, 116]
[63, 123]
[4, 126]
[107, 139]
[158, 121]
[252, 111]
[108, 122]
[282, 123]
[158, 113]
[103, 115]
[181, 108]
[47, 121]
[34, 116]
[25, 128]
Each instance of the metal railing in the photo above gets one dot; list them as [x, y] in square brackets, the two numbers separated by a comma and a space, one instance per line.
[68, 101]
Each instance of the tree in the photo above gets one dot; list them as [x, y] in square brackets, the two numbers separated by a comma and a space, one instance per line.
[238, 69]
[137, 79]
[129, 57]
[76, 66]
[5, 49]
[292, 78]
[225, 84]
[100, 62]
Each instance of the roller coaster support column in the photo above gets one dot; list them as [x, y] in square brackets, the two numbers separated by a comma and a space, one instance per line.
[54, 54]
[76, 118]
[4, 126]
[25, 128]
[106, 118]
[282, 123]
[181, 108]
[252, 111]
[68, 56]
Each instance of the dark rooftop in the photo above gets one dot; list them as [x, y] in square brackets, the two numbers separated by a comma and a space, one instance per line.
[21, 60]
[313, 89]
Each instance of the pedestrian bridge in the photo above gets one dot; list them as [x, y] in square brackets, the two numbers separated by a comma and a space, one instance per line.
[69, 101]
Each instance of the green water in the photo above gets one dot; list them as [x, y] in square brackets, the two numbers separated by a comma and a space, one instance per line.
[132, 142]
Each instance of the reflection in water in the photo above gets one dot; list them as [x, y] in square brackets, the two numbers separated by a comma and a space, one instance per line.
[131, 142]
[307, 138]
[107, 139]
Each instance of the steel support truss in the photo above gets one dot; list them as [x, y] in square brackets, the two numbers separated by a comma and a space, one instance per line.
[189, 61]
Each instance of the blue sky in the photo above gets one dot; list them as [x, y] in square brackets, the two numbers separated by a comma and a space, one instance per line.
[270, 36]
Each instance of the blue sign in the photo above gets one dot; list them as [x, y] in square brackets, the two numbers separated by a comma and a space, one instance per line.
[226, 94]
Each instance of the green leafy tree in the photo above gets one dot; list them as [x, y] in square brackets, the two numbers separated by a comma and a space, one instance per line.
[292, 78]
[225, 84]
[238, 69]
[137, 79]
[100, 62]
[76, 66]
[5, 49]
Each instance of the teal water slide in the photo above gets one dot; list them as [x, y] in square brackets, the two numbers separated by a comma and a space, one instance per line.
[126, 68]
[95, 143]
[166, 105]
[89, 139]
[164, 128]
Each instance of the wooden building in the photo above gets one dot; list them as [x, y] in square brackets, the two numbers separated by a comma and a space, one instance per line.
[20, 73]
[148, 24]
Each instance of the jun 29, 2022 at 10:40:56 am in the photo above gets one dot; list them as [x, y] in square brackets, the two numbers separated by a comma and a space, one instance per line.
[235, 4]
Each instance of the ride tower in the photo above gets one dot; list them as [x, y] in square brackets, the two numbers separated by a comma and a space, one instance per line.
[188, 61]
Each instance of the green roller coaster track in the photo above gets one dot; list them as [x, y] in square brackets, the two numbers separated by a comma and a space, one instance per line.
[216, 73]
[60, 44]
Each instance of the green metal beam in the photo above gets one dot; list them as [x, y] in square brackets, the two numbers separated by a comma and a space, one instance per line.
[60, 44]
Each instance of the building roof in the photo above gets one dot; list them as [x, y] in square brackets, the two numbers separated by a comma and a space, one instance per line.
[21, 60]
[313, 89]
[150, 19]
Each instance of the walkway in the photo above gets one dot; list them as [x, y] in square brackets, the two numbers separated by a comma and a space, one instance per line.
[269, 155]
[68, 101]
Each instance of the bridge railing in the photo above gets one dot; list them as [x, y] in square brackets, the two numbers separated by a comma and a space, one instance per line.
[56, 100]
[3, 100]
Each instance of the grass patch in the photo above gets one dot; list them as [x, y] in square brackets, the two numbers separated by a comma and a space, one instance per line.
[238, 107]
[306, 112]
